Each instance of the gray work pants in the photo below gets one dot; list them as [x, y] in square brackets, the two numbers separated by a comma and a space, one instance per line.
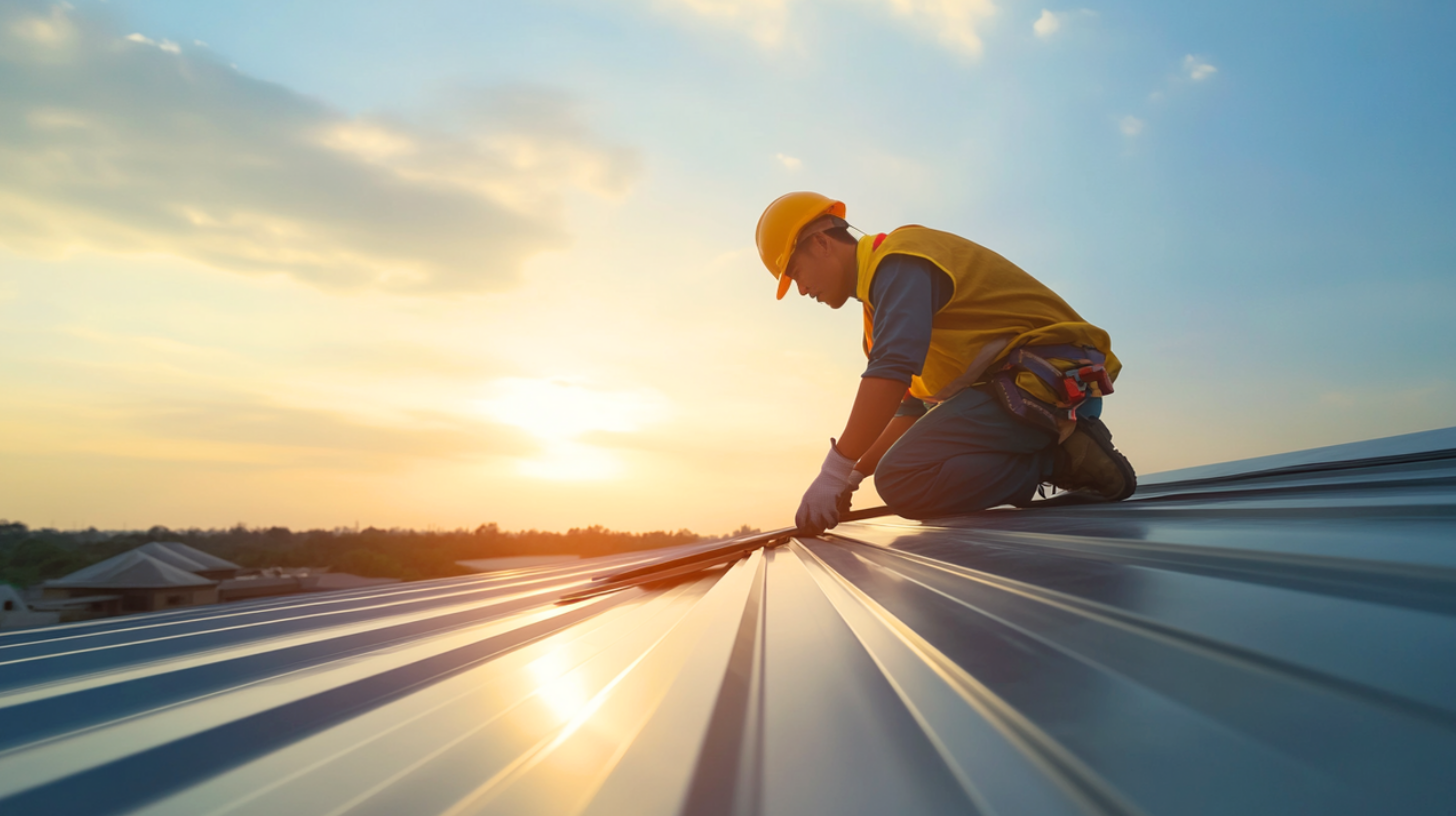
[966, 454]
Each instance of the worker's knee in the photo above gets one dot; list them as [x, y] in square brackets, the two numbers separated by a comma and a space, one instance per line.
[903, 488]
[919, 489]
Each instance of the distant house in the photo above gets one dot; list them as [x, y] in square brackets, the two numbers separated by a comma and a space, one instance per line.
[190, 559]
[163, 575]
[15, 614]
[135, 581]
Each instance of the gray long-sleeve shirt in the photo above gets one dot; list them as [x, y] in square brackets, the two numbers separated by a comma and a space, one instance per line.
[906, 294]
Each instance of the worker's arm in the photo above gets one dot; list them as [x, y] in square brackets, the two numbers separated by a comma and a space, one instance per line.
[906, 294]
[873, 409]
[896, 428]
[874, 406]
[910, 411]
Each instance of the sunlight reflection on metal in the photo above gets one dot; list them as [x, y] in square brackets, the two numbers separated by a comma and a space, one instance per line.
[1267, 639]
[560, 690]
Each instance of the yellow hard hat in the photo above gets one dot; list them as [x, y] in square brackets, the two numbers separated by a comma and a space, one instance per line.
[779, 226]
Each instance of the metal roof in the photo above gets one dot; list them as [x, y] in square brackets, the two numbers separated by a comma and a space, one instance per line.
[1273, 639]
[133, 569]
[184, 557]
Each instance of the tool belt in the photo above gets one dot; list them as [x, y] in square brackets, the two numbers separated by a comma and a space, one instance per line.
[1086, 378]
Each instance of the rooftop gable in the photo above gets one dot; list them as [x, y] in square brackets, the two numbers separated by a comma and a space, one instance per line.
[132, 569]
[205, 560]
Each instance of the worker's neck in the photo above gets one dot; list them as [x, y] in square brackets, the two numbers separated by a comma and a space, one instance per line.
[846, 260]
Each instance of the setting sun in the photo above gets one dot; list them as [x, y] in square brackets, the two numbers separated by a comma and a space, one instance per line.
[557, 412]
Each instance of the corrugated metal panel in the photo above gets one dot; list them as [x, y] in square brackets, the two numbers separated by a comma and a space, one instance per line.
[1278, 643]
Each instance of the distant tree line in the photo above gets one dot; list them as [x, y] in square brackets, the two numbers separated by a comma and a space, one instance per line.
[29, 556]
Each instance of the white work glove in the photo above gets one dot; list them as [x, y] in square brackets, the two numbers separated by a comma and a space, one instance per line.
[817, 511]
[846, 496]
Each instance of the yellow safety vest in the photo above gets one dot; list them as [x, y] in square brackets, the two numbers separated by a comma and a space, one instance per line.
[995, 307]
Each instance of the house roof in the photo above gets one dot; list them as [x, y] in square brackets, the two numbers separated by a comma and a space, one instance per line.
[133, 569]
[1270, 639]
[186, 558]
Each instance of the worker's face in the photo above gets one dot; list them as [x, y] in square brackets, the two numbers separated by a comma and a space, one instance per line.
[819, 272]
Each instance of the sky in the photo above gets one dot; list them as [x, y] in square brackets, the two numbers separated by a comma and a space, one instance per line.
[444, 263]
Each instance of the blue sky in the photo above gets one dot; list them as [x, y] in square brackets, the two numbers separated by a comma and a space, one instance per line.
[308, 270]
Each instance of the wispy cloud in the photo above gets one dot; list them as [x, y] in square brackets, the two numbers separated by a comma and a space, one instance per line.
[789, 162]
[119, 143]
[1130, 125]
[258, 430]
[1192, 70]
[1050, 22]
[1197, 69]
[764, 20]
[40, 27]
[165, 45]
[1047, 24]
[954, 23]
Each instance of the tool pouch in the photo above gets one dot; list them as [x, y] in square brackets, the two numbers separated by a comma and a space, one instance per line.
[1086, 377]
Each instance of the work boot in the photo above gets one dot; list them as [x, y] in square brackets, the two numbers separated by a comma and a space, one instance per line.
[1088, 462]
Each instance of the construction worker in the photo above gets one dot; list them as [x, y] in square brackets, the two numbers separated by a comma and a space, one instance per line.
[982, 384]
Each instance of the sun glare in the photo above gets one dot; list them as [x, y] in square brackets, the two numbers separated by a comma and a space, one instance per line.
[557, 411]
[559, 685]
[567, 460]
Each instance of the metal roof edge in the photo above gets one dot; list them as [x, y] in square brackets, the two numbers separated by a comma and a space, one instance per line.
[1402, 445]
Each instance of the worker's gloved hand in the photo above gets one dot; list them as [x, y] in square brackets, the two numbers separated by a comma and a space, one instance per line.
[846, 495]
[817, 512]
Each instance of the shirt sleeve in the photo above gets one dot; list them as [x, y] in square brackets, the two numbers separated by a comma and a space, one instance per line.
[906, 294]
[911, 407]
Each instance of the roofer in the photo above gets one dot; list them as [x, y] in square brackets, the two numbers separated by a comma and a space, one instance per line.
[982, 383]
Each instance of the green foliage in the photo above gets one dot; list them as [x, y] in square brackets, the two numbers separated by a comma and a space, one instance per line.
[30, 556]
[30, 561]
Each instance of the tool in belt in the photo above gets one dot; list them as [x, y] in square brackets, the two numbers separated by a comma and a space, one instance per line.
[1085, 379]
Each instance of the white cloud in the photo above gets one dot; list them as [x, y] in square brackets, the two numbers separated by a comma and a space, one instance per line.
[51, 29]
[763, 20]
[1051, 22]
[789, 162]
[1130, 125]
[1047, 24]
[953, 22]
[149, 150]
[165, 45]
[1197, 69]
